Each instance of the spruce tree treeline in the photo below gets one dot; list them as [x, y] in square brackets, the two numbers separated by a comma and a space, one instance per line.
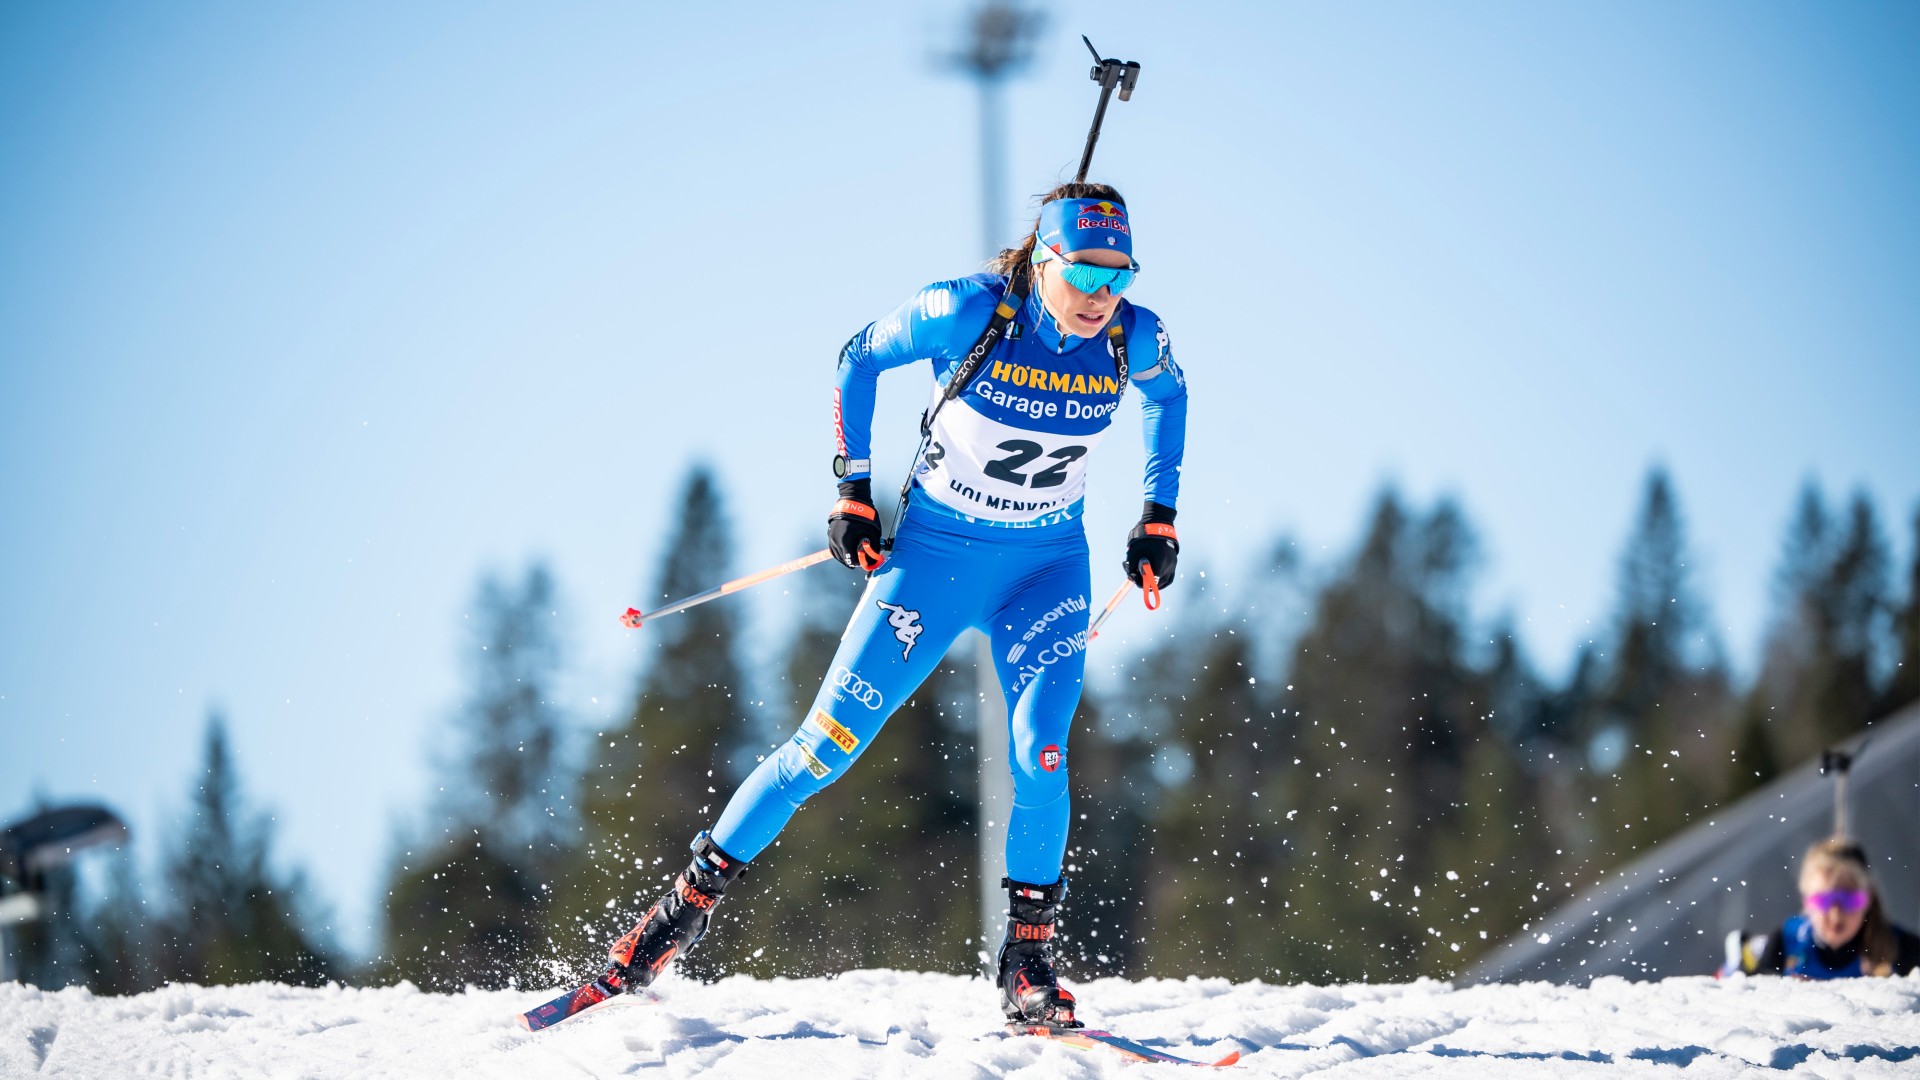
[1336, 774]
[471, 895]
[219, 912]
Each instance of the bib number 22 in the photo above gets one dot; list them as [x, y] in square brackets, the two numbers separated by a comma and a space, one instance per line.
[1021, 453]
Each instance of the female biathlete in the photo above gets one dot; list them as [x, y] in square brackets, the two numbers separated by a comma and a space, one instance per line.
[1842, 932]
[991, 538]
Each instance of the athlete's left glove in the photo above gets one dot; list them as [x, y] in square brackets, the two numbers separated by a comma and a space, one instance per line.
[853, 529]
[1153, 543]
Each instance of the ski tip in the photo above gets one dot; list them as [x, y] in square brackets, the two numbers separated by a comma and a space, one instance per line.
[1230, 1059]
[525, 1021]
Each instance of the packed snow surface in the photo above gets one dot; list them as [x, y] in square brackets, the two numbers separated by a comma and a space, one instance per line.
[887, 1024]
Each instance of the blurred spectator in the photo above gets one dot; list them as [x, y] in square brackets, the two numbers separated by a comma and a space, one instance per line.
[1841, 933]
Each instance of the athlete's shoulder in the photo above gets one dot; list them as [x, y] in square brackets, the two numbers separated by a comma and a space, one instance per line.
[960, 298]
[1140, 318]
[948, 316]
[1142, 325]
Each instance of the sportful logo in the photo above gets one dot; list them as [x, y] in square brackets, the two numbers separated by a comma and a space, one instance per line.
[1014, 654]
[936, 304]
[1060, 610]
[906, 626]
[857, 688]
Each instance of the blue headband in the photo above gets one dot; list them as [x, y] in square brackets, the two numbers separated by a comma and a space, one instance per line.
[1068, 225]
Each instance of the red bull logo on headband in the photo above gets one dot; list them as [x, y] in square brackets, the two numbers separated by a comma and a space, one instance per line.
[1076, 224]
[1102, 215]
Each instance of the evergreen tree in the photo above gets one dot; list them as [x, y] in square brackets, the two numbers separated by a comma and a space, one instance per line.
[664, 774]
[1788, 650]
[1211, 893]
[1903, 689]
[1108, 871]
[123, 933]
[1389, 767]
[1664, 705]
[231, 919]
[469, 902]
[1825, 641]
[1754, 760]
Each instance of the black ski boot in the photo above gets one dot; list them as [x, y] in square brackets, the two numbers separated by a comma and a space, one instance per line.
[1029, 991]
[675, 921]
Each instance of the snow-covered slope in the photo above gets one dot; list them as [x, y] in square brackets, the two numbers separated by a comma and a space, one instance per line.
[886, 1024]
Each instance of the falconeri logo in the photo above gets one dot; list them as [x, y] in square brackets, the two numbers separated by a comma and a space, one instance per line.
[1069, 606]
[906, 626]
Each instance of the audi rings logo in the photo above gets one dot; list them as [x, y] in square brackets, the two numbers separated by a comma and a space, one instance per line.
[857, 688]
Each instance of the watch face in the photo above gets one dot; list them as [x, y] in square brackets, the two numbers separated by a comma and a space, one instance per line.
[840, 464]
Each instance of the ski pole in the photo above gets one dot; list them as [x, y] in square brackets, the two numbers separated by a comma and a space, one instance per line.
[1119, 594]
[1153, 599]
[634, 617]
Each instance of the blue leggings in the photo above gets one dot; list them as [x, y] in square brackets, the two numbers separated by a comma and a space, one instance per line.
[1027, 588]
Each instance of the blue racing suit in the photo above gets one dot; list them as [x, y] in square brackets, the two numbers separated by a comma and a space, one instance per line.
[992, 538]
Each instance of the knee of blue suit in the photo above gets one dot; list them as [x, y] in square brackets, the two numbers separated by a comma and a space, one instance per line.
[804, 771]
[767, 800]
[1034, 783]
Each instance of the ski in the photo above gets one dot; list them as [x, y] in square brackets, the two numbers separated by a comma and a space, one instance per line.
[1088, 1038]
[569, 1005]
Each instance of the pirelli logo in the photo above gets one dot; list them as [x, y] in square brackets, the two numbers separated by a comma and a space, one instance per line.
[1059, 382]
[842, 738]
[814, 764]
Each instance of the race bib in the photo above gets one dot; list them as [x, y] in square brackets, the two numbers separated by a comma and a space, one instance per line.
[985, 469]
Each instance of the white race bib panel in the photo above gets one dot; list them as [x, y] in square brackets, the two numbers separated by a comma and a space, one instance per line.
[985, 469]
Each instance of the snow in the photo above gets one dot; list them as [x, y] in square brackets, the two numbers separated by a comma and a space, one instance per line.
[887, 1024]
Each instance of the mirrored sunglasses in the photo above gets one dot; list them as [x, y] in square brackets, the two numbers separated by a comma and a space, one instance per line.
[1847, 900]
[1087, 277]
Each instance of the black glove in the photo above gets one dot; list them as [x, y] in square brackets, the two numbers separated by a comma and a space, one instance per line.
[1153, 542]
[853, 529]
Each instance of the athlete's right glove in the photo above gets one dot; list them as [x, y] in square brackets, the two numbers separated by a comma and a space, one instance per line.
[1153, 542]
[853, 529]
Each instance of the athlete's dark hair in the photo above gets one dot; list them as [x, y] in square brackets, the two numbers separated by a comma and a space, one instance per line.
[1840, 857]
[1016, 260]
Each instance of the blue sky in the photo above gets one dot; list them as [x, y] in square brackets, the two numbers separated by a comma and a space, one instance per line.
[309, 316]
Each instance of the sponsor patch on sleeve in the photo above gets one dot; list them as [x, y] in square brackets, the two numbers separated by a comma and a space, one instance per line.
[814, 765]
[842, 738]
